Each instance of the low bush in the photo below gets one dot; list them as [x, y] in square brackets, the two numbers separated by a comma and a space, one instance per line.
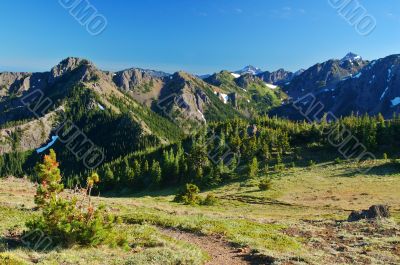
[279, 167]
[338, 160]
[8, 259]
[188, 195]
[209, 200]
[265, 184]
[65, 222]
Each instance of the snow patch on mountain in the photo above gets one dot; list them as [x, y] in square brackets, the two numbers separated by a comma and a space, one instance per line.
[395, 101]
[271, 86]
[249, 70]
[384, 93]
[202, 116]
[225, 98]
[235, 75]
[351, 57]
[100, 106]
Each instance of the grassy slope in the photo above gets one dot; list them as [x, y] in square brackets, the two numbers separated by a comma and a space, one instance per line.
[297, 218]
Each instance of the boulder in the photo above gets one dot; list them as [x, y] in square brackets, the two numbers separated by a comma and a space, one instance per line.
[374, 212]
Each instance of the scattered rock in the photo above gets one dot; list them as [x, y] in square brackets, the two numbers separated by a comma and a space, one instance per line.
[374, 212]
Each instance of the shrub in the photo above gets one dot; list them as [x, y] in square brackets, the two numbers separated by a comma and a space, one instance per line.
[279, 167]
[69, 221]
[338, 160]
[8, 259]
[210, 200]
[189, 195]
[253, 168]
[265, 184]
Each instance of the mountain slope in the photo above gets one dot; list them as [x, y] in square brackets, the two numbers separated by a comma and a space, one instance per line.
[373, 89]
[376, 89]
[88, 97]
[324, 75]
[251, 95]
[188, 100]
[143, 85]
[249, 70]
[279, 77]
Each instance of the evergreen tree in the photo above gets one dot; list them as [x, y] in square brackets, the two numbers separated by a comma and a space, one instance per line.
[198, 161]
[253, 168]
[156, 173]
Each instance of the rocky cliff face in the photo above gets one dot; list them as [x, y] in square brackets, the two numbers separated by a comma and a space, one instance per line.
[136, 78]
[134, 92]
[12, 84]
[373, 89]
[66, 66]
[183, 97]
[143, 85]
[246, 80]
[278, 77]
[31, 135]
[323, 76]
[376, 89]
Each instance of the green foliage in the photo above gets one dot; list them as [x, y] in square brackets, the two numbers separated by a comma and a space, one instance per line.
[14, 164]
[189, 195]
[253, 168]
[265, 184]
[138, 161]
[209, 200]
[155, 173]
[9, 259]
[338, 160]
[279, 167]
[50, 178]
[70, 221]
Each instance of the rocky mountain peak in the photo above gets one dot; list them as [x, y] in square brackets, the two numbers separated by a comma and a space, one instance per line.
[278, 77]
[249, 70]
[299, 72]
[65, 66]
[351, 57]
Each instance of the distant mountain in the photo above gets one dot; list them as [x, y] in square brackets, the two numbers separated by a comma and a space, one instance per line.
[298, 72]
[359, 87]
[351, 57]
[143, 85]
[249, 70]
[251, 95]
[375, 89]
[136, 95]
[154, 100]
[88, 97]
[204, 76]
[324, 75]
[188, 98]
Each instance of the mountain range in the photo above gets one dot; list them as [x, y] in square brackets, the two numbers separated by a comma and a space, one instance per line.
[156, 107]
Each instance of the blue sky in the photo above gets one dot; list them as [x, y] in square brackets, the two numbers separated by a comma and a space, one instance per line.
[198, 36]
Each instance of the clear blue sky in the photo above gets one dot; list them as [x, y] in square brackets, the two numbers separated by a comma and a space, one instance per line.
[199, 36]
